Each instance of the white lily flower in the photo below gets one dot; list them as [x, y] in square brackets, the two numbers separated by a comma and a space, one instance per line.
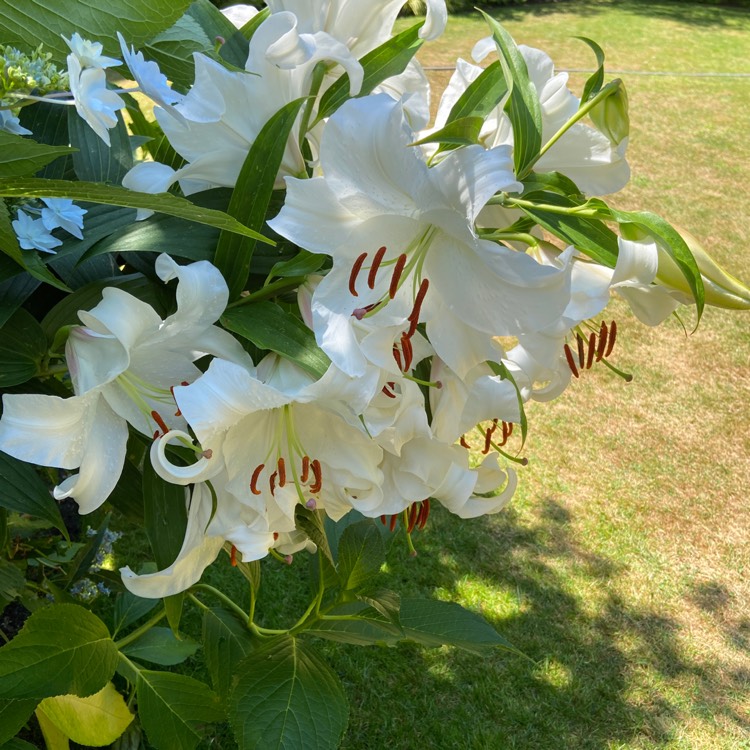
[284, 438]
[89, 53]
[377, 191]
[94, 102]
[240, 14]
[123, 363]
[62, 212]
[33, 234]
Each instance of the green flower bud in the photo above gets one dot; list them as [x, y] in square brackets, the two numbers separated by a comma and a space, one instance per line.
[722, 289]
[610, 116]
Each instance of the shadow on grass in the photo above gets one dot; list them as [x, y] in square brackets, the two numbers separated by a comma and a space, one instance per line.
[696, 14]
[603, 673]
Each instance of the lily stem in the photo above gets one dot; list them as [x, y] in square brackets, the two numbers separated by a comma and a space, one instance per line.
[136, 634]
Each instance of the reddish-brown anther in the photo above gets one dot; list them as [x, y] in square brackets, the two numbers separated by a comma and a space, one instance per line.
[160, 422]
[394, 518]
[254, 479]
[571, 361]
[305, 468]
[384, 519]
[418, 300]
[272, 482]
[464, 444]
[356, 268]
[487, 441]
[412, 518]
[397, 357]
[408, 351]
[388, 389]
[581, 352]
[178, 413]
[376, 261]
[592, 351]
[425, 513]
[612, 338]
[317, 476]
[396, 277]
[233, 556]
[603, 338]
[281, 468]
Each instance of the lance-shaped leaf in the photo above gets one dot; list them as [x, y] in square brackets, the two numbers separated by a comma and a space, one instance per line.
[22, 346]
[14, 292]
[61, 649]
[435, 623]
[165, 516]
[216, 24]
[523, 107]
[286, 698]
[161, 646]
[252, 194]
[595, 82]
[30, 187]
[387, 60]
[302, 264]
[130, 608]
[31, 22]
[24, 492]
[23, 156]
[93, 160]
[269, 326]
[461, 132]
[482, 95]
[361, 552]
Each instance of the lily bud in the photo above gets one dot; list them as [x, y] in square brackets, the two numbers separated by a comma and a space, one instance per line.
[721, 289]
[610, 116]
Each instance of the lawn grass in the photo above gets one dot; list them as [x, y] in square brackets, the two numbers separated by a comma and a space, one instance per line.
[621, 567]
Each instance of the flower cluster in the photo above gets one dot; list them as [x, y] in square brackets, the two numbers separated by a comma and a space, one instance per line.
[440, 305]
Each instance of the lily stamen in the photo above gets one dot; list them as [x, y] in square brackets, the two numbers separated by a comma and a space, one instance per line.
[581, 352]
[464, 444]
[233, 557]
[376, 261]
[396, 277]
[272, 483]
[571, 361]
[356, 268]
[414, 315]
[397, 357]
[305, 469]
[160, 422]
[254, 480]
[281, 468]
[592, 351]
[612, 338]
[317, 475]
[408, 351]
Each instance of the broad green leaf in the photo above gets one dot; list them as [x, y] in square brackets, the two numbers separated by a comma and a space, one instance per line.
[175, 709]
[311, 522]
[24, 492]
[595, 82]
[591, 236]
[22, 346]
[8, 240]
[554, 181]
[269, 326]
[225, 643]
[173, 606]
[160, 646]
[97, 720]
[368, 628]
[387, 60]
[462, 132]
[93, 160]
[435, 623]
[214, 24]
[61, 649]
[13, 715]
[165, 516]
[303, 264]
[482, 95]
[286, 698]
[30, 187]
[523, 107]
[361, 554]
[21, 156]
[671, 242]
[14, 292]
[252, 194]
[54, 738]
[17, 744]
[130, 608]
[49, 124]
[386, 603]
[31, 22]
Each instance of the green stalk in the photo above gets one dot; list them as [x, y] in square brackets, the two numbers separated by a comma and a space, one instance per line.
[136, 634]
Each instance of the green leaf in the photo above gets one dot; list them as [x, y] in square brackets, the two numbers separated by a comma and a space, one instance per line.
[461, 132]
[22, 346]
[312, 523]
[165, 516]
[387, 60]
[368, 628]
[302, 264]
[130, 608]
[214, 23]
[93, 160]
[225, 643]
[17, 744]
[24, 492]
[435, 623]
[595, 82]
[286, 698]
[159, 646]
[12, 580]
[174, 709]
[8, 240]
[13, 715]
[590, 236]
[31, 22]
[500, 368]
[269, 326]
[14, 292]
[361, 554]
[61, 649]
[30, 187]
[554, 181]
[21, 156]
[671, 242]
[252, 194]
[49, 124]
[482, 95]
[173, 606]
[523, 107]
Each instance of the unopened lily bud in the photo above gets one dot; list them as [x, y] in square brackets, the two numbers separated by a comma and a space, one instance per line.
[721, 289]
[611, 116]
